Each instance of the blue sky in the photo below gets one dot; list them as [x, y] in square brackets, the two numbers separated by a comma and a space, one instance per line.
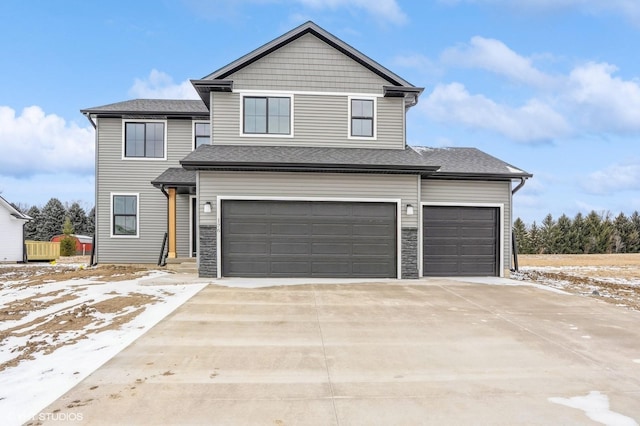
[550, 86]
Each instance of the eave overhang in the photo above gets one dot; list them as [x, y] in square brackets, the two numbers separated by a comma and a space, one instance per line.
[204, 87]
[308, 167]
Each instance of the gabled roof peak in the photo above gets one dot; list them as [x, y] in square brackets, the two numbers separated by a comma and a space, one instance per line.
[308, 27]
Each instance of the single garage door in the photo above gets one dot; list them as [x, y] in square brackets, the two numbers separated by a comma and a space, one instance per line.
[460, 241]
[308, 239]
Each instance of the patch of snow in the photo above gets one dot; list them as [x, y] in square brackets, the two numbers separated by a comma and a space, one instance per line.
[34, 384]
[637, 361]
[514, 170]
[586, 337]
[596, 406]
[515, 280]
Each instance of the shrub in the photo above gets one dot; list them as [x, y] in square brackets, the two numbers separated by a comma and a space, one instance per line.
[68, 246]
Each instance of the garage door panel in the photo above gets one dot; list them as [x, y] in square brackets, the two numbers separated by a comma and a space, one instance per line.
[305, 238]
[249, 247]
[460, 240]
[289, 228]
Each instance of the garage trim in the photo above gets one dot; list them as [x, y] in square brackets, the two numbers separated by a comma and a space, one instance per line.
[499, 206]
[397, 201]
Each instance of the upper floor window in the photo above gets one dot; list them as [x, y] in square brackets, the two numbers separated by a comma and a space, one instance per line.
[266, 115]
[124, 215]
[362, 118]
[201, 134]
[144, 139]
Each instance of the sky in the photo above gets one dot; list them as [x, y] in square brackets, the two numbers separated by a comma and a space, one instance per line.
[549, 86]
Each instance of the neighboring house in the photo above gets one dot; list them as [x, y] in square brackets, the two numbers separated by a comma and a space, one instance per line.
[11, 233]
[295, 164]
[84, 243]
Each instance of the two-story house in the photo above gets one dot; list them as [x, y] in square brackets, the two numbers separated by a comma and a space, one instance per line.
[295, 164]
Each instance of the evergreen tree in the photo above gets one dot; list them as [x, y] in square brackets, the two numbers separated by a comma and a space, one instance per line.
[53, 214]
[548, 235]
[78, 218]
[633, 241]
[521, 236]
[91, 222]
[68, 243]
[563, 235]
[535, 239]
[577, 237]
[31, 228]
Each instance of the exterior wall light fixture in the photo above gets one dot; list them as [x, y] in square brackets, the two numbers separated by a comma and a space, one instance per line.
[207, 207]
[409, 210]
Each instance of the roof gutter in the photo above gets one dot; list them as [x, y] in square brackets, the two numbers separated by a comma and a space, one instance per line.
[520, 185]
[88, 115]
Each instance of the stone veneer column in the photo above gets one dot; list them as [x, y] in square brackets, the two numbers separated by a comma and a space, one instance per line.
[207, 256]
[409, 255]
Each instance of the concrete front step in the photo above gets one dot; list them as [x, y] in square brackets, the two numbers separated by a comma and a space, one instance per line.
[183, 265]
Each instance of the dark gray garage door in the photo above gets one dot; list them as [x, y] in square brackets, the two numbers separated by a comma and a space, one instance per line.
[460, 241]
[308, 239]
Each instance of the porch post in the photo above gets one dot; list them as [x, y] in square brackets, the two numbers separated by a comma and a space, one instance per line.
[172, 223]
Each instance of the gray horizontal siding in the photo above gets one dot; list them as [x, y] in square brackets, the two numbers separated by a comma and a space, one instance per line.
[308, 64]
[458, 191]
[308, 185]
[319, 121]
[117, 175]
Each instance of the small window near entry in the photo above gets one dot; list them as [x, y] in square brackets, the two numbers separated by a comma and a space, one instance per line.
[267, 115]
[202, 134]
[144, 140]
[125, 215]
[362, 117]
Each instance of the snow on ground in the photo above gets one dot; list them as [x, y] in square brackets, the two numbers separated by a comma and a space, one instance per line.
[54, 332]
[596, 406]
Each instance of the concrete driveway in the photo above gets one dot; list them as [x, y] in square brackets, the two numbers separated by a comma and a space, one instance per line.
[391, 353]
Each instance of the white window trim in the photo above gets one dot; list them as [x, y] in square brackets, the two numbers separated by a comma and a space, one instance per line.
[375, 117]
[193, 132]
[396, 201]
[124, 127]
[137, 195]
[499, 206]
[269, 95]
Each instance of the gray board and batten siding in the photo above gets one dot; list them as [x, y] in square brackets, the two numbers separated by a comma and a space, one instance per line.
[478, 193]
[118, 175]
[307, 64]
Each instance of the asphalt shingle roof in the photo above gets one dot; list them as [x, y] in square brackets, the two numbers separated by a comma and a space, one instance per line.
[152, 106]
[176, 176]
[460, 162]
[467, 161]
[279, 157]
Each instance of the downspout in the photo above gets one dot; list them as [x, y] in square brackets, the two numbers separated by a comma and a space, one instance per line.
[25, 258]
[92, 258]
[514, 243]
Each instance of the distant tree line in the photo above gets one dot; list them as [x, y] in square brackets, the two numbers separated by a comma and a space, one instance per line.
[49, 220]
[593, 233]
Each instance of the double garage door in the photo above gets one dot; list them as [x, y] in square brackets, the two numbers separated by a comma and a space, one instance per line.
[460, 241]
[308, 239]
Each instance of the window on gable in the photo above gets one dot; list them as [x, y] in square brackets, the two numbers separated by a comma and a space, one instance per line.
[202, 134]
[362, 117]
[125, 215]
[267, 115]
[144, 140]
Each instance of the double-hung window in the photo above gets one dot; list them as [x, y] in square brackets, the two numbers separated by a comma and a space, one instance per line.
[266, 115]
[124, 215]
[201, 134]
[144, 139]
[362, 124]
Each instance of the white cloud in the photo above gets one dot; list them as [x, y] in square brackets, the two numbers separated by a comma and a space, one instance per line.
[604, 102]
[34, 142]
[160, 85]
[531, 122]
[387, 10]
[615, 178]
[629, 9]
[493, 55]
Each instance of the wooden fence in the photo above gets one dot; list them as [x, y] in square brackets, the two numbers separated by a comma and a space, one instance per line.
[42, 250]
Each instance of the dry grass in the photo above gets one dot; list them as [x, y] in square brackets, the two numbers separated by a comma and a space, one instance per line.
[614, 278]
